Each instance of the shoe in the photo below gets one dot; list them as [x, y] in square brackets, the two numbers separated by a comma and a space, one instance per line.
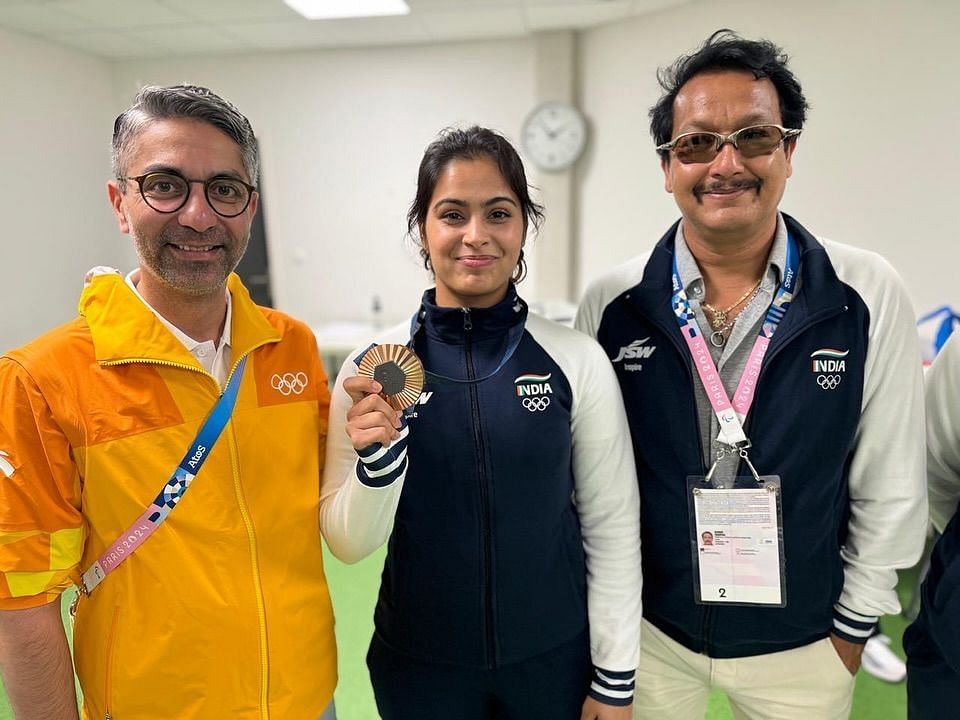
[881, 662]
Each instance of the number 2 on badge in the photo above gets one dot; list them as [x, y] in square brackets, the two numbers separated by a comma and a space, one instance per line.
[723, 592]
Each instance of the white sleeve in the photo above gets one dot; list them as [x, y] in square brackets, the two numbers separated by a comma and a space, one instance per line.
[356, 515]
[888, 501]
[608, 504]
[943, 433]
[587, 319]
[604, 290]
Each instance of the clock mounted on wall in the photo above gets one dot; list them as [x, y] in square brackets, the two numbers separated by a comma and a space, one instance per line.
[554, 135]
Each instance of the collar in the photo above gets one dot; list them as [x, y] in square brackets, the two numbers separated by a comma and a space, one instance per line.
[819, 290]
[692, 278]
[125, 329]
[179, 334]
[450, 324]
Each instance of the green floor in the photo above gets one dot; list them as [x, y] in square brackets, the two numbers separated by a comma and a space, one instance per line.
[354, 589]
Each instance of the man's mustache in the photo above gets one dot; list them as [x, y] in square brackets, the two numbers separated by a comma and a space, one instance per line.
[187, 236]
[703, 188]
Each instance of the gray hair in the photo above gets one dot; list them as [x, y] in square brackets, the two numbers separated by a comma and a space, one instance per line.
[183, 101]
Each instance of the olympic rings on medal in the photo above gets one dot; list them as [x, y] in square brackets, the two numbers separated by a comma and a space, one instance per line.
[288, 383]
[536, 404]
[828, 382]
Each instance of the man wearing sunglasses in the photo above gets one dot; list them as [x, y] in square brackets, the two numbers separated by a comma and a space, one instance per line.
[212, 603]
[772, 383]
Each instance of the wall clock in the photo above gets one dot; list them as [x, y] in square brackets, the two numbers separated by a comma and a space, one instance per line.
[554, 135]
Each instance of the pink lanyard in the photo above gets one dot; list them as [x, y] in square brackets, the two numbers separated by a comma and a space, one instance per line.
[732, 415]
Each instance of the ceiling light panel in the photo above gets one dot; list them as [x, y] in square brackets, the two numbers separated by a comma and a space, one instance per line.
[328, 9]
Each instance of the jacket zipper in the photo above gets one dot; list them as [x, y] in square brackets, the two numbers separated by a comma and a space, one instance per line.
[706, 617]
[244, 514]
[707, 624]
[255, 569]
[490, 647]
[108, 679]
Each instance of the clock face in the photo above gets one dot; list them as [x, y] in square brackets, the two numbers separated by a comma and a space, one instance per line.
[554, 135]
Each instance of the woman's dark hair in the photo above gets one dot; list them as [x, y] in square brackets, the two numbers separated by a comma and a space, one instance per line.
[725, 50]
[470, 144]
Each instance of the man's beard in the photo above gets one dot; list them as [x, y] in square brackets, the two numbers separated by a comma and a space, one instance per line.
[193, 277]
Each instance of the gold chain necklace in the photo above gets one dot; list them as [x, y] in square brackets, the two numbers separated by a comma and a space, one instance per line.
[720, 323]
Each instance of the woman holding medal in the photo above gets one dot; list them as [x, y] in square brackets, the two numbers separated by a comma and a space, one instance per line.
[507, 490]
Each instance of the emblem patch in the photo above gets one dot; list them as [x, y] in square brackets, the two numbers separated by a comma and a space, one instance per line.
[829, 366]
[289, 383]
[535, 391]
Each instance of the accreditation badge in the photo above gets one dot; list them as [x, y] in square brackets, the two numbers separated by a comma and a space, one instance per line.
[737, 541]
[398, 370]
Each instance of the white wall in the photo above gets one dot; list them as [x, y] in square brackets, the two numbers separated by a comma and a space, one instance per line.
[342, 133]
[55, 123]
[877, 163]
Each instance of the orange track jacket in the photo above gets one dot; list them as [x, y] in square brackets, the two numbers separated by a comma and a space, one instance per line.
[224, 612]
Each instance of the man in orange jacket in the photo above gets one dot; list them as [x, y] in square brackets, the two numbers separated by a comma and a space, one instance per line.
[221, 611]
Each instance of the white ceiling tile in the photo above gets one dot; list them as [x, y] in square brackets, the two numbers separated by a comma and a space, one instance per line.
[189, 40]
[295, 34]
[641, 7]
[110, 44]
[112, 14]
[216, 26]
[40, 20]
[478, 22]
[399, 29]
[273, 32]
[231, 11]
[577, 15]
[563, 3]
[441, 5]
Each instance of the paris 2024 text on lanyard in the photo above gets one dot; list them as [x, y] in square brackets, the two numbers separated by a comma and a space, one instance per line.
[736, 533]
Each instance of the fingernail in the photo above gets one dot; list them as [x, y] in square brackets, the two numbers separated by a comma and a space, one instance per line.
[377, 387]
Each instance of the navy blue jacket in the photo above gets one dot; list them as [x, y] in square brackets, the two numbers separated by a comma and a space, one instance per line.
[518, 487]
[933, 641]
[807, 434]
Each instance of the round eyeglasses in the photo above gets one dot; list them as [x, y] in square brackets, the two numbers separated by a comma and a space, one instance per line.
[704, 146]
[168, 191]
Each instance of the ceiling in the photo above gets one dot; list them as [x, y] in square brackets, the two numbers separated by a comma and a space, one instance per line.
[173, 28]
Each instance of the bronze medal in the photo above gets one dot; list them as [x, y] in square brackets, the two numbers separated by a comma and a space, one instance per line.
[398, 370]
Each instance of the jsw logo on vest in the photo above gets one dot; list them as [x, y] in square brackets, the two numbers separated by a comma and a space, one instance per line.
[635, 351]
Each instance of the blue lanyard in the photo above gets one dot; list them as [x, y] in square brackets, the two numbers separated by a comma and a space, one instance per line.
[154, 515]
[777, 309]
[199, 449]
